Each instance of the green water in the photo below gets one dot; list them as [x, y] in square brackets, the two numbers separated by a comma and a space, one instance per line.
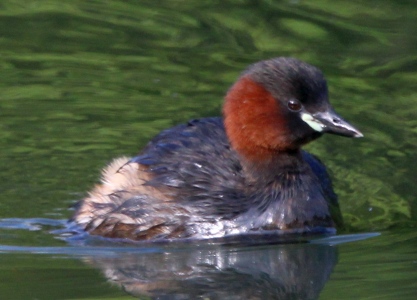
[82, 82]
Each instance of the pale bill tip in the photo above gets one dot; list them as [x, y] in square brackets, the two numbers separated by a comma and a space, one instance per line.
[358, 135]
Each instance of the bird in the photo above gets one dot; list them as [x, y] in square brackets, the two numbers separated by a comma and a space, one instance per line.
[240, 174]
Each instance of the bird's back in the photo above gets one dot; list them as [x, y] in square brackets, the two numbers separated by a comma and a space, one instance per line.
[186, 182]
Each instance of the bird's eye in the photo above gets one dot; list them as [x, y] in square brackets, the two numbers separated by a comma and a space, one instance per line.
[294, 105]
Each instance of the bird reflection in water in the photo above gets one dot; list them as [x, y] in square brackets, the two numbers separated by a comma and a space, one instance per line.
[284, 271]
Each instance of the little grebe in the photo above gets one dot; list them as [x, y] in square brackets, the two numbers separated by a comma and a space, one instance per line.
[245, 173]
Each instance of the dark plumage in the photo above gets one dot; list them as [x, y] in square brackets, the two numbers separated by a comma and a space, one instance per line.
[215, 177]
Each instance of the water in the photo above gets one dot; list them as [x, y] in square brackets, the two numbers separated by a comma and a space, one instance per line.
[85, 81]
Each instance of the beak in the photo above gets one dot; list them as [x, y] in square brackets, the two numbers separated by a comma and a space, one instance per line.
[330, 122]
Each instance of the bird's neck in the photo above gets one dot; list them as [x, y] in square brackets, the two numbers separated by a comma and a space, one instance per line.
[274, 166]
